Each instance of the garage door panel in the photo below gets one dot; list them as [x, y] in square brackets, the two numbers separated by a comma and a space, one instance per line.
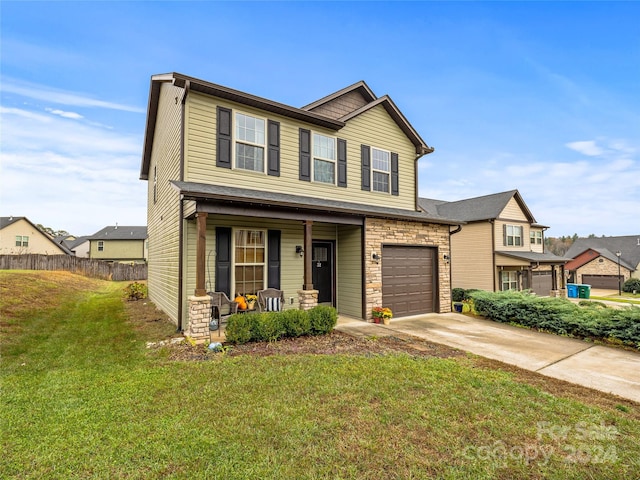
[541, 283]
[609, 282]
[408, 279]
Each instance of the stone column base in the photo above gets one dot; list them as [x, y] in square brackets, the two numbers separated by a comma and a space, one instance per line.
[307, 299]
[199, 317]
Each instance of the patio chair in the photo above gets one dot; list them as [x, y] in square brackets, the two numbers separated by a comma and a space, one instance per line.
[221, 309]
[271, 300]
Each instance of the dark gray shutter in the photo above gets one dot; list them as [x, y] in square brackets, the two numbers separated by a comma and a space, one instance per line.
[395, 190]
[365, 156]
[305, 155]
[273, 148]
[223, 260]
[342, 162]
[273, 267]
[223, 144]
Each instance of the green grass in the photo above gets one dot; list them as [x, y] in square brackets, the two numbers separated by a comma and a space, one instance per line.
[618, 299]
[82, 398]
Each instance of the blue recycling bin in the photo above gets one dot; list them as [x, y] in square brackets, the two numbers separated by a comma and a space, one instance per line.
[572, 290]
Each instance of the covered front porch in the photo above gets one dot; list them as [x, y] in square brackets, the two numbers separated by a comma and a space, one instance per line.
[541, 273]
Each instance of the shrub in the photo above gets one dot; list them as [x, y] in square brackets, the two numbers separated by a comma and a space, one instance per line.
[457, 294]
[269, 327]
[323, 319]
[136, 291]
[296, 322]
[272, 326]
[241, 327]
[631, 285]
[561, 316]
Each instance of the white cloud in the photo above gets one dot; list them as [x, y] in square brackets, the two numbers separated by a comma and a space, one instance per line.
[62, 113]
[62, 97]
[588, 147]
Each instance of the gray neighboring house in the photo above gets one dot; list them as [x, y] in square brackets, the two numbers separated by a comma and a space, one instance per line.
[500, 246]
[123, 244]
[594, 261]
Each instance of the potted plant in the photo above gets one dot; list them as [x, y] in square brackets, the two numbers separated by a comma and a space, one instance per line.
[251, 301]
[382, 314]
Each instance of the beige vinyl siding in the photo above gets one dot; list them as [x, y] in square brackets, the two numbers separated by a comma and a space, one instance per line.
[500, 243]
[512, 211]
[373, 127]
[535, 247]
[504, 261]
[120, 250]
[349, 271]
[472, 257]
[38, 241]
[163, 217]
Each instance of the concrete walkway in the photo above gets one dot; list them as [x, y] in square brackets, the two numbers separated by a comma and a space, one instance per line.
[602, 368]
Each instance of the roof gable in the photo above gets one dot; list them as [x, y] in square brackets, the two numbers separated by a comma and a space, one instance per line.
[487, 207]
[6, 221]
[628, 246]
[343, 102]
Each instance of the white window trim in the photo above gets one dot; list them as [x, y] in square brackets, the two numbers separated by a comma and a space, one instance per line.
[23, 239]
[534, 236]
[506, 240]
[235, 141]
[388, 152]
[334, 160]
[502, 282]
[233, 257]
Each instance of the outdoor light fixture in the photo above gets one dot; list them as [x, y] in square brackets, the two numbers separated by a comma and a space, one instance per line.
[618, 253]
[375, 257]
[446, 258]
[300, 250]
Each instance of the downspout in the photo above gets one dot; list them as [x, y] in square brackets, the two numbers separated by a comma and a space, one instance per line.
[181, 211]
[451, 233]
[419, 154]
[493, 251]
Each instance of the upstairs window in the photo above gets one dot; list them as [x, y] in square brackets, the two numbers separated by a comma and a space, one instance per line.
[22, 241]
[324, 159]
[513, 236]
[100, 246]
[380, 170]
[250, 142]
[536, 237]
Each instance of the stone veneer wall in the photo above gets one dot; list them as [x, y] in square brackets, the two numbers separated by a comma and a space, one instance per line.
[606, 267]
[380, 232]
[199, 317]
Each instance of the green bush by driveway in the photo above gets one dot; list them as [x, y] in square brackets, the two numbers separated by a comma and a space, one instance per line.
[561, 316]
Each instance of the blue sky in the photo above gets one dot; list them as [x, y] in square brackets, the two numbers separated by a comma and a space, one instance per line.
[539, 96]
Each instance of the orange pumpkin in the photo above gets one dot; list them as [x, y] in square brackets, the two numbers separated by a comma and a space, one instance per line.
[242, 303]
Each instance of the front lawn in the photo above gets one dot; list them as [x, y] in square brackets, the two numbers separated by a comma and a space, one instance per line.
[83, 398]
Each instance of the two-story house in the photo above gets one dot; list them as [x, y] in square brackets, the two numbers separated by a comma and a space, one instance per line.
[245, 193]
[501, 246]
[119, 244]
[19, 236]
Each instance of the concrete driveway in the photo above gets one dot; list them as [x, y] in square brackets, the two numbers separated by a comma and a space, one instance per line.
[602, 368]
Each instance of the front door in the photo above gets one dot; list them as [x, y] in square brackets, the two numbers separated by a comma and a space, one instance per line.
[322, 271]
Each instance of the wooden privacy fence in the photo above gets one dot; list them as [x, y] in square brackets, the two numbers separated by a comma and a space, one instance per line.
[84, 266]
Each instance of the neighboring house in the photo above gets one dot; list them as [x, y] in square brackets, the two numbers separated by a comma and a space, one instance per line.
[119, 244]
[501, 246]
[18, 236]
[595, 261]
[80, 246]
[245, 193]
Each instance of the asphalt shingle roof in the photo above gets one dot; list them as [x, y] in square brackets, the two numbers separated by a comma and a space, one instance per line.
[628, 246]
[120, 233]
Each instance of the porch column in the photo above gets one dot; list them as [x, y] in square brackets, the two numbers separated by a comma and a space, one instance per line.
[201, 219]
[308, 255]
[554, 278]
